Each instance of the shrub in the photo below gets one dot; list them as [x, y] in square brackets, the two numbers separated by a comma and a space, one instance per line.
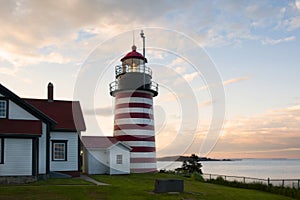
[197, 176]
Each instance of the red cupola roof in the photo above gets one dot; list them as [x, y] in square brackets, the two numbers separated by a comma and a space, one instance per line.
[134, 54]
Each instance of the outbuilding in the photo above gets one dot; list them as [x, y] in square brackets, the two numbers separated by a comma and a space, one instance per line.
[105, 155]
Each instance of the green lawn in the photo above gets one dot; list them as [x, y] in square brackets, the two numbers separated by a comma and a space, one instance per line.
[134, 186]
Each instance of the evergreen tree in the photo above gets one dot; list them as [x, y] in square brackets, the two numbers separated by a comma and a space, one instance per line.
[190, 165]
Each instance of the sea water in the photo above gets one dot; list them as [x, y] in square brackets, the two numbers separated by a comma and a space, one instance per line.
[256, 168]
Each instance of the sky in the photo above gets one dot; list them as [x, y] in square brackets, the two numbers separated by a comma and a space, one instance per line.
[228, 71]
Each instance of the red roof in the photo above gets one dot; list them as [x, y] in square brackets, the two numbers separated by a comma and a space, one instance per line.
[134, 54]
[67, 114]
[98, 141]
[15, 127]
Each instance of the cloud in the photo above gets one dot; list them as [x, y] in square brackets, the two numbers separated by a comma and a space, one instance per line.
[294, 108]
[170, 97]
[235, 80]
[297, 3]
[293, 23]
[190, 77]
[227, 82]
[30, 25]
[105, 111]
[177, 62]
[277, 41]
[265, 134]
[205, 103]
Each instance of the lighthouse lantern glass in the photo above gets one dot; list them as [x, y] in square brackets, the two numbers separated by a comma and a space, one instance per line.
[133, 64]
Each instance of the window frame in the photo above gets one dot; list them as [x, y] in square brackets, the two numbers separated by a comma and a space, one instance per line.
[65, 142]
[6, 107]
[119, 159]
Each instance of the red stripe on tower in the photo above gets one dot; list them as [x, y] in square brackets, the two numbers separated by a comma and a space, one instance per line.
[142, 160]
[133, 115]
[133, 105]
[142, 149]
[134, 126]
[136, 138]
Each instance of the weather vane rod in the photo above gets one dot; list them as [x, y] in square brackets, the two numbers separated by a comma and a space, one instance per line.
[133, 42]
[143, 36]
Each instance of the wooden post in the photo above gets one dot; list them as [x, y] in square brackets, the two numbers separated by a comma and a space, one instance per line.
[282, 182]
[210, 179]
[244, 180]
[298, 184]
[268, 181]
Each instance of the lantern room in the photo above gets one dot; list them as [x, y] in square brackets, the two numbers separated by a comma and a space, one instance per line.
[133, 74]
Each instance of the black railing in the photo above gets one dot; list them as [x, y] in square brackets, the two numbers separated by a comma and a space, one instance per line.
[292, 183]
[113, 86]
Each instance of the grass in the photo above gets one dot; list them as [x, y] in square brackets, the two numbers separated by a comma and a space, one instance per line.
[134, 186]
[286, 191]
[60, 181]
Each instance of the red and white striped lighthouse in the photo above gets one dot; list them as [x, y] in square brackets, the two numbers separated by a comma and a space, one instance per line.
[134, 90]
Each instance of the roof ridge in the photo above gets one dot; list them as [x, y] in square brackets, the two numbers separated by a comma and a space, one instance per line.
[25, 105]
[55, 100]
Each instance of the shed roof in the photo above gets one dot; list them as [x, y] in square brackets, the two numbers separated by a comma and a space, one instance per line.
[102, 142]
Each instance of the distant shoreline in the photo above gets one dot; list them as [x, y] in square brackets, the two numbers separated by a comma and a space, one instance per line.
[186, 158]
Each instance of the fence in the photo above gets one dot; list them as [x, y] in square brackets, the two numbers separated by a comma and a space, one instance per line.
[292, 183]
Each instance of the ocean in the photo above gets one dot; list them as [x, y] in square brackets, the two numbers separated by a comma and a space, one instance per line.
[255, 168]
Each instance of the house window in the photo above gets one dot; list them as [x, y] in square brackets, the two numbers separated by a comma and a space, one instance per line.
[119, 159]
[1, 150]
[3, 108]
[59, 150]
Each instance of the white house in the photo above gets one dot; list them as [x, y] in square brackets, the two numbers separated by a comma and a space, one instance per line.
[105, 155]
[38, 136]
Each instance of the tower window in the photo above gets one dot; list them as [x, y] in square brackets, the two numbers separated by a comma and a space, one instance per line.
[119, 159]
[3, 108]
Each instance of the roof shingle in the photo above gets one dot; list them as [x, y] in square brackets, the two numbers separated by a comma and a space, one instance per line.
[67, 114]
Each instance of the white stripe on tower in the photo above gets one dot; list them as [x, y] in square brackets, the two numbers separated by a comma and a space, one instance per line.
[134, 132]
[133, 110]
[134, 100]
[143, 155]
[134, 121]
[134, 126]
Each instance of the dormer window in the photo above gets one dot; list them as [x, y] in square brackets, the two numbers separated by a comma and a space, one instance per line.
[3, 108]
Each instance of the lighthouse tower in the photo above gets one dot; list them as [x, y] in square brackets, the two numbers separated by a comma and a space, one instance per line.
[134, 90]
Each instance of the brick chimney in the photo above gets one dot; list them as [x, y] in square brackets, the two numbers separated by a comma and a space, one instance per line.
[50, 92]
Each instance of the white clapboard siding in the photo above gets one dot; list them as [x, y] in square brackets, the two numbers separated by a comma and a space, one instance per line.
[123, 168]
[17, 157]
[96, 162]
[72, 152]
[16, 112]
